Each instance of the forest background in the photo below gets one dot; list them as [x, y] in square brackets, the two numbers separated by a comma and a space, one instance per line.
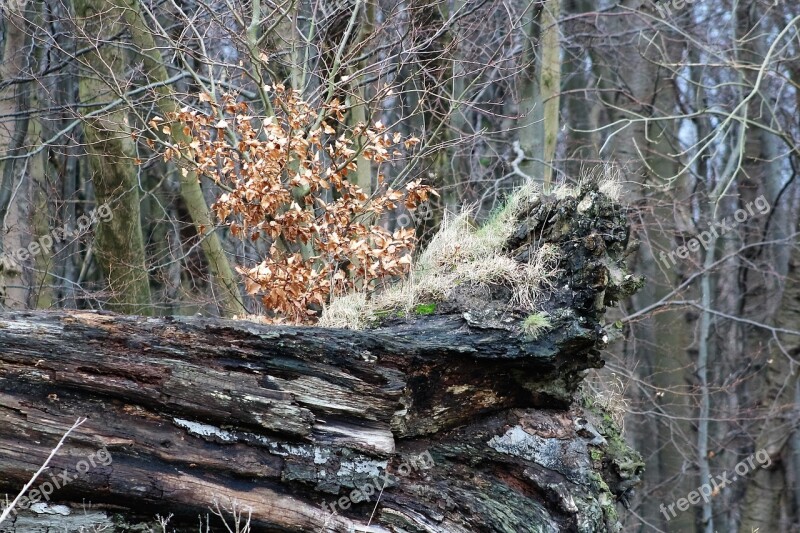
[694, 108]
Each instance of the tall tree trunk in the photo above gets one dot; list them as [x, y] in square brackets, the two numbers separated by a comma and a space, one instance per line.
[581, 110]
[228, 295]
[550, 86]
[540, 91]
[358, 98]
[644, 148]
[42, 295]
[119, 246]
[774, 298]
[766, 489]
[531, 110]
[17, 50]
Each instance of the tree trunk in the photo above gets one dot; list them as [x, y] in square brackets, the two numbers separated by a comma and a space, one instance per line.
[16, 51]
[452, 422]
[230, 300]
[643, 148]
[768, 496]
[120, 244]
[550, 85]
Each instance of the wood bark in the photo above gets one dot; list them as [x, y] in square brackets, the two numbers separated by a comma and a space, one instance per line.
[120, 244]
[227, 293]
[457, 421]
[16, 51]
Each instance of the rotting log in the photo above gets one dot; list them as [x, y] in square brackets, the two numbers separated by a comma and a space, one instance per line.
[456, 420]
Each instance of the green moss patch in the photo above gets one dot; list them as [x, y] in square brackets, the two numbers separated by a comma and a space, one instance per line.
[425, 309]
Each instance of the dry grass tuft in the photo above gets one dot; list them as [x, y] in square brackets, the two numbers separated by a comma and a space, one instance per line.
[458, 254]
[346, 311]
[535, 324]
[462, 254]
[608, 177]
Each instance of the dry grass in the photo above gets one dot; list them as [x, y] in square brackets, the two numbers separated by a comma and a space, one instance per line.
[346, 311]
[458, 254]
[535, 324]
[608, 177]
[461, 254]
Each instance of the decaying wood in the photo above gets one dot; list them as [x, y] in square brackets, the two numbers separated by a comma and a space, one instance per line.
[464, 423]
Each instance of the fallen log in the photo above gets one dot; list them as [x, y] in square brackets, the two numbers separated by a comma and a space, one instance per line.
[449, 422]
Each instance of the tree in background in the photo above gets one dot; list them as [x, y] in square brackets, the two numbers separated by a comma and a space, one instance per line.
[119, 247]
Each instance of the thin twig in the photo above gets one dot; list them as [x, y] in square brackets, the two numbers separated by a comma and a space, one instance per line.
[28, 485]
